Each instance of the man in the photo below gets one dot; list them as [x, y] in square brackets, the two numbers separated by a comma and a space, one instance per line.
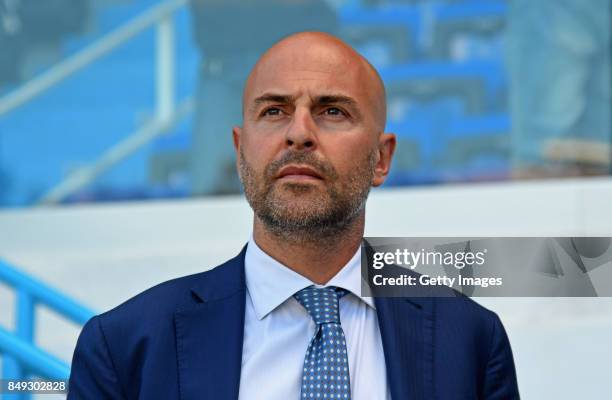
[284, 319]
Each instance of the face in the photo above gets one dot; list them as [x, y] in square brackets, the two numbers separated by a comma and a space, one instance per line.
[311, 145]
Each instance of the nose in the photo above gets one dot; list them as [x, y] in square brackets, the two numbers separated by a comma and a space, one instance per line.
[301, 133]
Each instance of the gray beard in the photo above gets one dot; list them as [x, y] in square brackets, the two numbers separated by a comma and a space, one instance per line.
[311, 227]
[319, 221]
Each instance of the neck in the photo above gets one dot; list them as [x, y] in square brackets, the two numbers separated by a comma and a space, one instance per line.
[318, 259]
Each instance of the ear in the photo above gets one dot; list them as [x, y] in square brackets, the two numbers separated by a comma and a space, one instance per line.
[236, 133]
[386, 148]
[236, 136]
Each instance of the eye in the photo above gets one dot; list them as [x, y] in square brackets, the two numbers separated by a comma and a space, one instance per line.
[271, 112]
[335, 112]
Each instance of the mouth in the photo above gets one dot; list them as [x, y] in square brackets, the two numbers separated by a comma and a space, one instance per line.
[299, 173]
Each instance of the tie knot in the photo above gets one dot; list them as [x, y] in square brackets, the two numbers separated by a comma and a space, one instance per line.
[321, 303]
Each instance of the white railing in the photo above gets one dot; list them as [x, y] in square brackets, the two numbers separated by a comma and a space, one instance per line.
[167, 112]
[87, 174]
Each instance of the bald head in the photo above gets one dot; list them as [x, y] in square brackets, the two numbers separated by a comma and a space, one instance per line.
[319, 56]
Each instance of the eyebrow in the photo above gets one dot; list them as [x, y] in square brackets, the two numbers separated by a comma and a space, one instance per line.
[335, 99]
[273, 98]
[318, 100]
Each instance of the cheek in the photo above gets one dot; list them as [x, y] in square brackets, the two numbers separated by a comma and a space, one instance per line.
[347, 155]
[258, 150]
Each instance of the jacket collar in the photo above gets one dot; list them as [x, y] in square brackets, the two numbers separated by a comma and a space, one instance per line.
[225, 280]
[210, 332]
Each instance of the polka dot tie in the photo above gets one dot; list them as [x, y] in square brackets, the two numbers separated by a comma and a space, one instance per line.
[326, 369]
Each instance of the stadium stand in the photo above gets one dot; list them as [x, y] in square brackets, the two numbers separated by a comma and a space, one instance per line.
[441, 61]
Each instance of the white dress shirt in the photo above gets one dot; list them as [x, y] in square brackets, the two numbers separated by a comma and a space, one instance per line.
[277, 331]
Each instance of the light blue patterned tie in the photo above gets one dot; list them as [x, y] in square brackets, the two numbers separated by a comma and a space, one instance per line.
[326, 370]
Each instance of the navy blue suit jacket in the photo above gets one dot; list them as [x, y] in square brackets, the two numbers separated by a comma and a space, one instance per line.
[183, 340]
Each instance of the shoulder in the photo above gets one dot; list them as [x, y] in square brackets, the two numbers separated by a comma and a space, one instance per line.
[467, 331]
[156, 306]
[147, 314]
[463, 322]
[157, 300]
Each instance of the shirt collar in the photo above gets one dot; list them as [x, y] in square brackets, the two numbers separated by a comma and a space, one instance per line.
[270, 283]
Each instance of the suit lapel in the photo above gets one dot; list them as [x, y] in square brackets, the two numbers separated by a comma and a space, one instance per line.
[406, 327]
[209, 335]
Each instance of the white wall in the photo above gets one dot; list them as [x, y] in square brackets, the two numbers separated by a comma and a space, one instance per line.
[103, 254]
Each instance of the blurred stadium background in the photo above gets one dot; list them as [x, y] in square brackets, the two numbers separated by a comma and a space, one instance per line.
[502, 111]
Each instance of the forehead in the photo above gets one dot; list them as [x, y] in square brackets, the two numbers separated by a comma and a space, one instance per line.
[308, 71]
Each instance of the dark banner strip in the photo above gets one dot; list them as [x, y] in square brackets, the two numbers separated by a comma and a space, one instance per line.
[487, 267]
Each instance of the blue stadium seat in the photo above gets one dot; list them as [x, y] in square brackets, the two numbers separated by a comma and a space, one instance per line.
[480, 83]
[449, 107]
[92, 110]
